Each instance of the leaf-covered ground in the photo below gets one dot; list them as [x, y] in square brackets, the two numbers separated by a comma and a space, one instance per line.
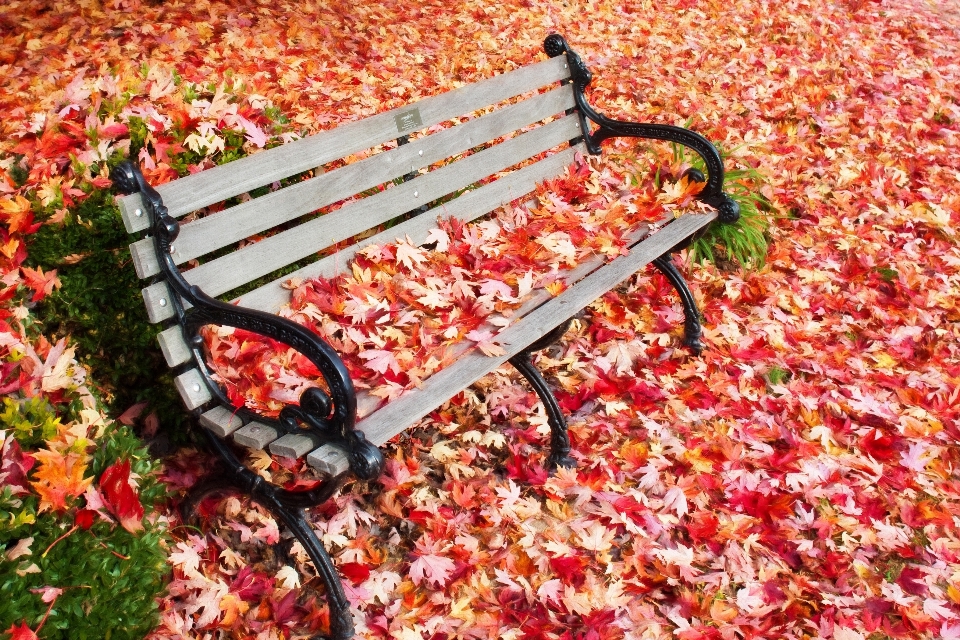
[799, 480]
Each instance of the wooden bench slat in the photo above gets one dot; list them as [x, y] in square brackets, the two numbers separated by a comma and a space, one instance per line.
[255, 435]
[254, 261]
[174, 348]
[368, 403]
[469, 206]
[221, 421]
[156, 298]
[329, 459]
[294, 445]
[223, 228]
[413, 405]
[193, 389]
[219, 183]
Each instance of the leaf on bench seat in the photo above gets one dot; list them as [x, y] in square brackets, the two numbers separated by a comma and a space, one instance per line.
[400, 312]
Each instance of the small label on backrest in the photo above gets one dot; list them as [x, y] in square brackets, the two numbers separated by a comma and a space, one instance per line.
[409, 120]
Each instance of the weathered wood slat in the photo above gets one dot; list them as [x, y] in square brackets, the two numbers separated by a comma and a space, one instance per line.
[329, 459]
[254, 261]
[413, 405]
[367, 403]
[174, 348]
[223, 228]
[221, 421]
[467, 207]
[294, 445]
[157, 299]
[193, 389]
[255, 435]
[219, 183]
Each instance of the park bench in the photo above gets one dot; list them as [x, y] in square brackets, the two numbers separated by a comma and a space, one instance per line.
[535, 118]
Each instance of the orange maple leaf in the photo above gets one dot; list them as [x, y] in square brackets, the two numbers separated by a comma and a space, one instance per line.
[41, 283]
[59, 477]
[17, 213]
[10, 247]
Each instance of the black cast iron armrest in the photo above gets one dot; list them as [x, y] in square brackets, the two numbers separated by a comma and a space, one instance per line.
[331, 417]
[727, 209]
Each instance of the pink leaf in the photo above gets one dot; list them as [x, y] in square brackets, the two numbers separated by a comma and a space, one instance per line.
[433, 569]
[379, 360]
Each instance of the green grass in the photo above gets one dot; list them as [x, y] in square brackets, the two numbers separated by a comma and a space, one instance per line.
[745, 242]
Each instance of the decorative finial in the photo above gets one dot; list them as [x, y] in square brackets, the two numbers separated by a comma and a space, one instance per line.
[555, 45]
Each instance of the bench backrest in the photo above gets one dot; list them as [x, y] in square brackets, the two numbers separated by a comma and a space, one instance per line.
[473, 149]
[352, 182]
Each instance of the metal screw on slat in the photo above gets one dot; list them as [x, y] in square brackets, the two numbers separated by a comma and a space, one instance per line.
[196, 387]
[163, 302]
[420, 152]
[138, 212]
[416, 194]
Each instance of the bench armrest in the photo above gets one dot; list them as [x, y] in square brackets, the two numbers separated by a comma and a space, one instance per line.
[331, 416]
[727, 209]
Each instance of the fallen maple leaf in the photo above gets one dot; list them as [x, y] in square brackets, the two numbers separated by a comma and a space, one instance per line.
[42, 283]
[129, 416]
[232, 607]
[121, 498]
[17, 213]
[380, 360]
[14, 465]
[21, 632]
[59, 478]
[484, 339]
[431, 568]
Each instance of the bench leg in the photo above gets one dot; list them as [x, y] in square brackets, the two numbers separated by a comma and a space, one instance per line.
[239, 479]
[559, 438]
[692, 329]
[341, 621]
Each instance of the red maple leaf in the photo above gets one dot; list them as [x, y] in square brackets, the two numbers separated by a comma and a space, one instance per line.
[14, 466]
[356, 572]
[250, 585]
[23, 632]
[122, 499]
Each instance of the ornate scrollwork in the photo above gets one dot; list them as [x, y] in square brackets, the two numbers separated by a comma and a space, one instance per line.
[580, 76]
[366, 459]
[316, 410]
[728, 210]
[124, 178]
[555, 45]
[330, 414]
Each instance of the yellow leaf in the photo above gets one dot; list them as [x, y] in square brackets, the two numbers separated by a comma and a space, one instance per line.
[556, 287]
[883, 360]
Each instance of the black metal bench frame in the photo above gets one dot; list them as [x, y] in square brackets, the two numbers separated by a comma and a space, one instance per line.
[332, 417]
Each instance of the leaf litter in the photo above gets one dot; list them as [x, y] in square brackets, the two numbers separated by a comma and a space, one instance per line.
[797, 481]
